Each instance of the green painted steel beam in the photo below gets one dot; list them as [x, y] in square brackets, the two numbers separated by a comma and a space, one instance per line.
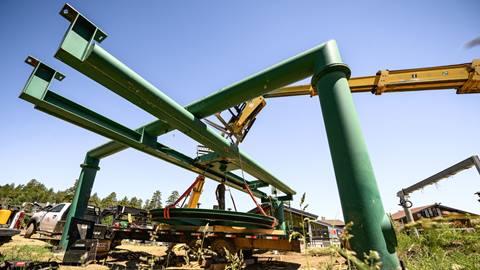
[257, 184]
[289, 71]
[37, 91]
[90, 59]
[81, 196]
[359, 194]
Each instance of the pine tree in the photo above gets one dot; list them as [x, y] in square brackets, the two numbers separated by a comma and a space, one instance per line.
[156, 201]
[173, 197]
[95, 200]
[110, 200]
[124, 201]
[135, 202]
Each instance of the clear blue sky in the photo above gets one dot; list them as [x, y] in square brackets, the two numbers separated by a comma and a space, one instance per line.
[189, 49]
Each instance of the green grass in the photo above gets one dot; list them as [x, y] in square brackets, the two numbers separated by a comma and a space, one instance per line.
[440, 247]
[27, 253]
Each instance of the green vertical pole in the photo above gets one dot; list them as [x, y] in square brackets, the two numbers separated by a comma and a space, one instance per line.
[82, 195]
[359, 194]
[279, 211]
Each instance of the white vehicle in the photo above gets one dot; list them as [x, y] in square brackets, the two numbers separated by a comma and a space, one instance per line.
[50, 221]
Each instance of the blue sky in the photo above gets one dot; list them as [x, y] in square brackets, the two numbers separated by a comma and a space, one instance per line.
[189, 49]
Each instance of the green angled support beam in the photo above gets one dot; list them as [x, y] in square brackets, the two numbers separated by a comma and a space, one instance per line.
[84, 32]
[79, 51]
[37, 91]
[359, 195]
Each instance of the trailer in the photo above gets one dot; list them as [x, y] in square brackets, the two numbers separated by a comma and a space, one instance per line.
[232, 238]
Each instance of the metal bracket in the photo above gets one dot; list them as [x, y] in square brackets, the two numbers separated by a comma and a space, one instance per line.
[71, 14]
[80, 35]
[39, 81]
[148, 139]
[381, 82]
[472, 85]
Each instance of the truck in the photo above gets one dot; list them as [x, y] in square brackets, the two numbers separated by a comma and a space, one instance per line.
[113, 223]
[49, 222]
[10, 222]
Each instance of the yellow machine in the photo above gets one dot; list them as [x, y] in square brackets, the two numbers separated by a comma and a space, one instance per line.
[243, 117]
[196, 192]
[4, 216]
[465, 78]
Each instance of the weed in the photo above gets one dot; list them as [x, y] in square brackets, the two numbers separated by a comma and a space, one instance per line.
[27, 253]
[440, 245]
[235, 260]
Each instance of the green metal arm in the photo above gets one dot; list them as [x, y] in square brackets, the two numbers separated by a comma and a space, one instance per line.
[99, 65]
[282, 74]
[36, 91]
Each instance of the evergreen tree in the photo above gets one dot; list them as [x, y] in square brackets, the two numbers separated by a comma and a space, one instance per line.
[172, 198]
[156, 201]
[110, 200]
[135, 202]
[95, 200]
[146, 205]
[124, 201]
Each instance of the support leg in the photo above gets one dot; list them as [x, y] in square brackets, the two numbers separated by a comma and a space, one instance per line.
[359, 194]
[82, 195]
[279, 214]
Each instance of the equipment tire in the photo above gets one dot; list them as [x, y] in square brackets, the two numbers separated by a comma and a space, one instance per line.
[31, 229]
[219, 244]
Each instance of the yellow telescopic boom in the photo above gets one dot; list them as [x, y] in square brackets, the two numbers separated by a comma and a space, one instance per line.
[465, 78]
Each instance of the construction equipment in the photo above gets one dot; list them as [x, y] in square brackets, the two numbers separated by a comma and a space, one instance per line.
[196, 192]
[403, 194]
[242, 118]
[464, 78]
[11, 218]
[359, 194]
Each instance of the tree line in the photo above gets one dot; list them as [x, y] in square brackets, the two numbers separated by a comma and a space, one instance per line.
[35, 191]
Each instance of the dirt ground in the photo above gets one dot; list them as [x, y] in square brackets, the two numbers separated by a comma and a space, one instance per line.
[130, 256]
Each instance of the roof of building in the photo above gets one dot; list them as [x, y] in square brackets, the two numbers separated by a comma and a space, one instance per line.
[331, 222]
[401, 214]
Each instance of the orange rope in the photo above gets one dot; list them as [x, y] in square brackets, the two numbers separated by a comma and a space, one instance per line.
[253, 198]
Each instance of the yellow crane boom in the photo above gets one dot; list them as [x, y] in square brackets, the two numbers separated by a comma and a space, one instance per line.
[465, 78]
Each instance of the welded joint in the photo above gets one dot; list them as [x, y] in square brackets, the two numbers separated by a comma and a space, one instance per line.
[333, 67]
[148, 139]
[39, 81]
[90, 163]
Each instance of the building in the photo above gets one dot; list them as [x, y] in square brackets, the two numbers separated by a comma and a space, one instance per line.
[319, 233]
[430, 211]
[326, 232]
